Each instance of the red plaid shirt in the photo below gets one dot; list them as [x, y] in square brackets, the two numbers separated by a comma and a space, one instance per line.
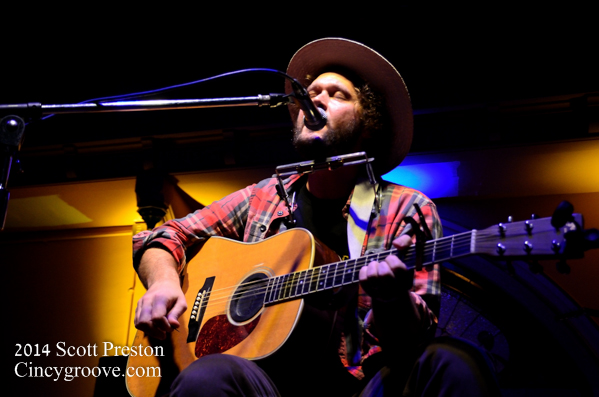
[256, 212]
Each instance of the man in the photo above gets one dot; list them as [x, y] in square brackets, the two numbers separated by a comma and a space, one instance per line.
[376, 334]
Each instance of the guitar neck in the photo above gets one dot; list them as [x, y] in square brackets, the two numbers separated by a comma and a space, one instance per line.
[334, 275]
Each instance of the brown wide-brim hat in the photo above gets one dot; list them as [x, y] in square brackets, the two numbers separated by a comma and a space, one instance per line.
[326, 54]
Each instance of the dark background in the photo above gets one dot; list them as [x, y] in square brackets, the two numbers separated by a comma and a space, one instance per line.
[472, 72]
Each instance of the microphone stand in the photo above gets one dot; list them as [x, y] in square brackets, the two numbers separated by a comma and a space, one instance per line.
[13, 116]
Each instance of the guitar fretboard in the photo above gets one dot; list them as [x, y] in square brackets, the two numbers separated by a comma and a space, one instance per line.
[296, 285]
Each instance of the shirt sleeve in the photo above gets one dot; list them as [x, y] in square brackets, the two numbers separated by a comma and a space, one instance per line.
[225, 217]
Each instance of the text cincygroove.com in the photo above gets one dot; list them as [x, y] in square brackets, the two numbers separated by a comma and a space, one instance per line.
[26, 369]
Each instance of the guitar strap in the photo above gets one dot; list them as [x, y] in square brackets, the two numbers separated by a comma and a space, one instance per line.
[363, 203]
[360, 212]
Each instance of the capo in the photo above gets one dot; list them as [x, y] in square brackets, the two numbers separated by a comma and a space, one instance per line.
[422, 233]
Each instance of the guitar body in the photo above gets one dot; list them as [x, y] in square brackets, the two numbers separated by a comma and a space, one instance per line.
[247, 329]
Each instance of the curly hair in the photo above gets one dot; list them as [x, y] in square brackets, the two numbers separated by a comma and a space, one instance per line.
[374, 116]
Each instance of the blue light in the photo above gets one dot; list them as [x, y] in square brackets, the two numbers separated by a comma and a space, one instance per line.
[433, 179]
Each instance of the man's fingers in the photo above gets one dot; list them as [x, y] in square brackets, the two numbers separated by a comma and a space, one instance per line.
[376, 275]
[176, 311]
[402, 242]
[144, 320]
[156, 313]
[145, 323]
[384, 279]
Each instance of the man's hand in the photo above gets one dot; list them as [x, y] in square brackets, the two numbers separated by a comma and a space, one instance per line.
[397, 317]
[161, 306]
[388, 279]
[159, 309]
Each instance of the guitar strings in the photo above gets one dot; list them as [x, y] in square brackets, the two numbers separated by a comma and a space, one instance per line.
[289, 289]
[293, 282]
[321, 282]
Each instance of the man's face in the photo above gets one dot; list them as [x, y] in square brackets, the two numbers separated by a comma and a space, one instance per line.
[337, 96]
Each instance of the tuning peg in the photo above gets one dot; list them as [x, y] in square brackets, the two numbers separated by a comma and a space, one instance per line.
[500, 249]
[501, 229]
[528, 226]
[510, 219]
[528, 247]
[534, 216]
[563, 267]
[556, 246]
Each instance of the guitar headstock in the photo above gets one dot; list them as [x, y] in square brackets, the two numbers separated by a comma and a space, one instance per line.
[531, 239]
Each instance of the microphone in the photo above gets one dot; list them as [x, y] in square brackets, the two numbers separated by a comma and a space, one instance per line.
[314, 117]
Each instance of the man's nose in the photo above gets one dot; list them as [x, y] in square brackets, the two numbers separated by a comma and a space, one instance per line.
[322, 99]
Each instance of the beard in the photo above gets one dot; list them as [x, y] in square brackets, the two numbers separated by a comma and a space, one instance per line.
[340, 140]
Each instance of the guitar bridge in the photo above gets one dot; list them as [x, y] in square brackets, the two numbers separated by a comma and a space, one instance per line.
[198, 310]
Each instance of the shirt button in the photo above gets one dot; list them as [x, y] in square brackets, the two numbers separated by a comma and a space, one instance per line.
[262, 228]
[280, 213]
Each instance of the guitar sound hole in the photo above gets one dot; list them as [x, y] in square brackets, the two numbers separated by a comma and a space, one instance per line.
[248, 299]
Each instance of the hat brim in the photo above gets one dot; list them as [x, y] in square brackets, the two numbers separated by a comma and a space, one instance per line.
[318, 56]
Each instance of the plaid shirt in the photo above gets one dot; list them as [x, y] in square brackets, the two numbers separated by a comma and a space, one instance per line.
[256, 212]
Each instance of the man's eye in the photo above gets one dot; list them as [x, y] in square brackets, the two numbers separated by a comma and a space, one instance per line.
[340, 95]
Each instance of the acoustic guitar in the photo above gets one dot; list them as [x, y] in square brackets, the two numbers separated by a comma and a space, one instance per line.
[245, 299]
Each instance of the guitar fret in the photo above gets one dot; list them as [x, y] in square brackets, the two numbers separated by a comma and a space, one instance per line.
[427, 258]
[307, 281]
[347, 274]
[357, 265]
[459, 249]
[268, 294]
[313, 284]
[273, 291]
[339, 269]
[286, 286]
[273, 286]
[443, 251]
[330, 280]
[350, 271]
[322, 275]
[277, 289]
[293, 289]
[301, 282]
